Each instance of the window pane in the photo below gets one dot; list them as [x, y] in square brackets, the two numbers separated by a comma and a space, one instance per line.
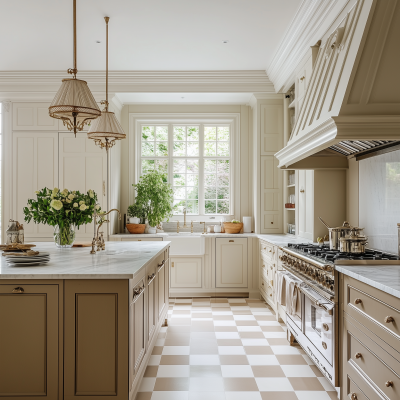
[223, 133]
[179, 180]
[162, 149]
[179, 148]
[179, 133]
[223, 207]
[223, 149]
[193, 166]
[209, 149]
[162, 133]
[210, 180]
[192, 180]
[147, 165]
[210, 193]
[210, 133]
[210, 207]
[193, 133]
[223, 193]
[179, 206]
[179, 193]
[148, 149]
[162, 165]
[192, 207]
[192, 193]
[193, 149]
[179, 166]
[223, 166]
[209, 165]
[223, 180]
[148, 133]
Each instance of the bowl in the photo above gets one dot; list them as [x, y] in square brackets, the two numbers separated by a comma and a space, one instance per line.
[230, 227]
[136, 228]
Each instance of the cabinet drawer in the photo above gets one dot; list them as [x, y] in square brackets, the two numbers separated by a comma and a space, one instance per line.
[378, 311]
[379, 367]
[267, 249]
[352, 391]
[142, 239]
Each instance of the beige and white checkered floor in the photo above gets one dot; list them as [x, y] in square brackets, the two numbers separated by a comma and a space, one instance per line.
[229, 349]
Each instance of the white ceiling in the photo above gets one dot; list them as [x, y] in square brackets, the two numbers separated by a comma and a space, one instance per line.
[144, 34]
[184, 98]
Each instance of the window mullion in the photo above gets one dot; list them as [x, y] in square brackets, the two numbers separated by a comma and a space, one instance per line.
[201, 170]
[170, 154]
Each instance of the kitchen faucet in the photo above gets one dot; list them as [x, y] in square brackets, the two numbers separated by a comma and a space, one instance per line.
[184, 218]
[99, 240]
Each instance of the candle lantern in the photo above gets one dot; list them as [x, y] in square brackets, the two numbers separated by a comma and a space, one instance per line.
[15, 232]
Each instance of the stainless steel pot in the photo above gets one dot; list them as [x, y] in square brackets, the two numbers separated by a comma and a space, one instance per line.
[353, 243]
[336, 233]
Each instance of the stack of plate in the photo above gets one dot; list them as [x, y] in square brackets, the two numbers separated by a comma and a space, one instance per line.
[28, 261]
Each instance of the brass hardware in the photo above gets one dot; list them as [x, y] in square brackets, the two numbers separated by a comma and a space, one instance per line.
[177, 226]
[389, 384]
[324, 345]
[270, 294]
[18, 290]
[272, 223]
[150, 277]
[184, 218]
[231, 241]
[191, 226]
[162, 264]
[357, 301]
[388, 320]
[353, 396]
[301, 190]
[358, 355]
[104, 188]
[139, 240]
[205, 231]
[263, 266]
[272, 283]
[262, 283]
[325, 326]
[302, 78]
[271, 268]
[265, 248]
[270, 250]
[173, 264]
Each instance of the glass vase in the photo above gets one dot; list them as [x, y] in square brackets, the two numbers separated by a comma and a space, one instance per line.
[64, 237]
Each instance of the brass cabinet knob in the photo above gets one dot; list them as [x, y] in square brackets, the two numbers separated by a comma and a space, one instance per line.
[270, 250]
[302, 191]
[388, 320]
[302, 78]
[389, 384]
[263, 266]
[325, 326]
[262, 283]
[270, 294]
[358, 355]
[357, 301]
[271, 268]
[353, 396]
[324, 345]
[18, 290]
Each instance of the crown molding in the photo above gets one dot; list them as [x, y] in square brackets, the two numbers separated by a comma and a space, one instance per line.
[311, 21]
[263, 96]
[25, 84]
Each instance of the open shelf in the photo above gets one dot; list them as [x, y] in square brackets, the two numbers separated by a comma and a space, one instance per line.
[292, 104]
[292, 185]
[290, 209]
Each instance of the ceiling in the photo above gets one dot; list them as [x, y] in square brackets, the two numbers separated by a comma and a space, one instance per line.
[150, 35]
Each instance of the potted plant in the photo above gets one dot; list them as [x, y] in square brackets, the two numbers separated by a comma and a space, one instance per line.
[65, 210]
[155, 195]
[137, 218]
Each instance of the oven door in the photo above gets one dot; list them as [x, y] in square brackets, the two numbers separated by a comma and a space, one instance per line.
[318, 322]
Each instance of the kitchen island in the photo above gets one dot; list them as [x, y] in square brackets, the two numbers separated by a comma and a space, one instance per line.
[82, 325]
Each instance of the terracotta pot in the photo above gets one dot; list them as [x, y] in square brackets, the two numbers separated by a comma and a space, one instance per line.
[136, 228]
[230, 227]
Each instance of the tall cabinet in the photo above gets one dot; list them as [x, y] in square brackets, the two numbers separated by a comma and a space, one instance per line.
[44, 154]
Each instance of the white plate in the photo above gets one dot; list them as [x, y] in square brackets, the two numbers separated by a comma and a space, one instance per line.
[31, 264]
[27, 259]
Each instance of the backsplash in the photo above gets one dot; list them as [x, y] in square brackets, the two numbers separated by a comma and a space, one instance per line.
[379, 200]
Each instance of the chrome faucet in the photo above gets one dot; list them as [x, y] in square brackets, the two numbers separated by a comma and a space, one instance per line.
[98, 239]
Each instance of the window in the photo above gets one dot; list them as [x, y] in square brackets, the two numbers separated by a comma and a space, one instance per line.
[1, 134]
[197, 159]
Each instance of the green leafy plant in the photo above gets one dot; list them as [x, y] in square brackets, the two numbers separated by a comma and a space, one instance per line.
[138, 211]
[155, 196]
[63, 209]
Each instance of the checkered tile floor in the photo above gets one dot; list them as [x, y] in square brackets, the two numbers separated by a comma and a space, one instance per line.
[229, 349]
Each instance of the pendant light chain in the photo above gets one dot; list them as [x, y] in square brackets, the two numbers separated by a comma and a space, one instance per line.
[75, 57]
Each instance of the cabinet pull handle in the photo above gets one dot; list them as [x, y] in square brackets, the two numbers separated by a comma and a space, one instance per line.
[270, 294]
[358, 355]
[353, 396]
[357, 301]
[173, 264]
[104, 188]
[389, 384]
[262, 283]
[302, 78]
[325, 326]
[388, 320]
[231, 241]
[18, 290]
[324, 345]
[150, 277]
[160, 265]
[301, 190]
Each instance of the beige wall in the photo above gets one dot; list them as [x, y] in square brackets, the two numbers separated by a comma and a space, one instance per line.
[245, 145]
[352, 197]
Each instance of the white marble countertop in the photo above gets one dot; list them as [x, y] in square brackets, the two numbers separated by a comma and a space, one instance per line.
[382, 277]
[120, 260]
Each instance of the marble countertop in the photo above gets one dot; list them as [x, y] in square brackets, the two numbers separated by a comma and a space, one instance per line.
[120, 260]
[382, 277]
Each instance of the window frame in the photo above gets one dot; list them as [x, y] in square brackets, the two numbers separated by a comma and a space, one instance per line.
[232, 120]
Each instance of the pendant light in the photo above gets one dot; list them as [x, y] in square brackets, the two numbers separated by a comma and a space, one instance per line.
[106, 129]
[74, 103]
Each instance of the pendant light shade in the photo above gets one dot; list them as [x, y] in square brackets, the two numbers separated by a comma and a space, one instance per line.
[106, 129]
[74, 103]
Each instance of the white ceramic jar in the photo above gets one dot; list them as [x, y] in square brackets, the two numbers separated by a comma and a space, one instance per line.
[217, 228]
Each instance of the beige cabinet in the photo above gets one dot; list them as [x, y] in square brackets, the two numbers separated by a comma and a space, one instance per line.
[162, 292]
[186, 272]
[320, 193]
[35, 166]
[96, 339]
[83, 166]
[151, 278]
[231, 263]
[29, 341]
[137, 327]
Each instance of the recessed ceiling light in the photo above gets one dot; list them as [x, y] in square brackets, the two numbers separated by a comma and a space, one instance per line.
[225, 41]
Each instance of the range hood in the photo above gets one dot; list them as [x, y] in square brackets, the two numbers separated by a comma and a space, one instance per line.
[352, 103]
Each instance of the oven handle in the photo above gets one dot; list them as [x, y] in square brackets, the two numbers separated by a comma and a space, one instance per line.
[326, 306]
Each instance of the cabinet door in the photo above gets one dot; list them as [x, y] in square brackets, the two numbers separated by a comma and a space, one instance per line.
[162, 294]
[96, 339]
[137, 329]
[151, 301]
[305, 202]
[231, 263]
[35, 166]
[29, 339]
[186, 272]
[83, 166]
